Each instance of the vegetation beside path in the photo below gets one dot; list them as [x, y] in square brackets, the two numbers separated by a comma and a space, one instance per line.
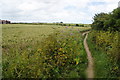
[43, 51]
[104, 43]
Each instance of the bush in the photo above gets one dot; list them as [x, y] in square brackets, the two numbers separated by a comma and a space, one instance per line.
[77, 25]
[104, 21]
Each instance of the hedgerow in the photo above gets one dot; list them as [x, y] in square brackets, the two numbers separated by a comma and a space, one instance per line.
[109, 43]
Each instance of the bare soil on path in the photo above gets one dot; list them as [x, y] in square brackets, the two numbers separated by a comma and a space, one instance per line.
[90, 68]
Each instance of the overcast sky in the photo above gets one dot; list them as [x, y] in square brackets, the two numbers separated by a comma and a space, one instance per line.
[68, 11]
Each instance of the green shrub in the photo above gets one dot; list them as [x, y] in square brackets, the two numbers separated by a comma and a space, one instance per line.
[104, 21]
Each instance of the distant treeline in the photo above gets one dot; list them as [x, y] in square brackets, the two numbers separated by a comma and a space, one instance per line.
[61, 24]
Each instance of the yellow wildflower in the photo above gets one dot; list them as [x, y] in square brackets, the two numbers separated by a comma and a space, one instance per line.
[77, 62]
[39, 49]
[60, 49]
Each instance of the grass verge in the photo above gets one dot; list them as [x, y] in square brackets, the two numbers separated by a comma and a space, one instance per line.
[102, 63]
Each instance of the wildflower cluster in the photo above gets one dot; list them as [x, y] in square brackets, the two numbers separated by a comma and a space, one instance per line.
[62, 52]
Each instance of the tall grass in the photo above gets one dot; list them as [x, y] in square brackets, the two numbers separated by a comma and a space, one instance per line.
[105, 50]
[59, 54]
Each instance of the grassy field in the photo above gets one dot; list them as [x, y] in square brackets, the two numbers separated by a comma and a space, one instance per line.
[42, 51]
[25, 35]
[22, 31]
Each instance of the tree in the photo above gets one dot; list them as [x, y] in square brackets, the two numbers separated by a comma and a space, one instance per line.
[77, 25]
[114, 20]
[61, 22]
[104, 21]
[99, 20]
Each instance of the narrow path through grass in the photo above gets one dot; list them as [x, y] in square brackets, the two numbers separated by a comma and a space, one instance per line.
[90, 69]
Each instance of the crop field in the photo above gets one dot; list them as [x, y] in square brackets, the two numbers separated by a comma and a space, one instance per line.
[16, 34]
[43, 51]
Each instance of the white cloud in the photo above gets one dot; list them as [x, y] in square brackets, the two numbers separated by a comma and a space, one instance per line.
[78, 11]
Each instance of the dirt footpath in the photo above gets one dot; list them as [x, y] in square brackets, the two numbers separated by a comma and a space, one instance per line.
[90, 68]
